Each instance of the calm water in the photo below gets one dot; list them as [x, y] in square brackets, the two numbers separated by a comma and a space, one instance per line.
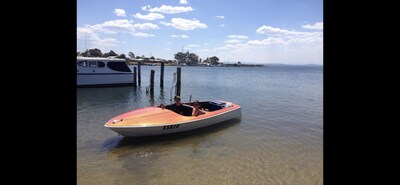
[278, 139]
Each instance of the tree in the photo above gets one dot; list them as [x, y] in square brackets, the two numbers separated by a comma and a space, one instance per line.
[188, 58]
[84, 54]
[95, 52]
[121, 56]
[214, 60]
[192, 59]
[111, 53]
[131, 55]
[180, 57]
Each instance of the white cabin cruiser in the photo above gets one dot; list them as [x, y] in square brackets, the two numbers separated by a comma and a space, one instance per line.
[95, 71]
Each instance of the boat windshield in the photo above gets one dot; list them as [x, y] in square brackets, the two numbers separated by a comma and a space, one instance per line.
[212, 105]
[186, 110]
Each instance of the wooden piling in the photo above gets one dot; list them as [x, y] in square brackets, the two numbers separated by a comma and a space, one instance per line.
[162, 75]
[139, 81]
[152, 82]
[178, 81]
[134, 77]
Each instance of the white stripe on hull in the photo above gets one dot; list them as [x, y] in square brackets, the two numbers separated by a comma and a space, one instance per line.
[179, 127]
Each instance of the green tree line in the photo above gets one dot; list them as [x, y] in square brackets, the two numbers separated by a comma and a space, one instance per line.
[188, 58]
[192, 59]
[97, 53]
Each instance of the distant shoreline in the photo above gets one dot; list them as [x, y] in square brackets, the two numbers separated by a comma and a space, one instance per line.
[227, 65]
[220, 65]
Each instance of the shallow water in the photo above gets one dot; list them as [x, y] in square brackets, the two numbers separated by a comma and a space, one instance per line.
[278, 139]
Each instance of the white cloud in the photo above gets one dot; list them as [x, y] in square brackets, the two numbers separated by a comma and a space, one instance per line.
[141, 34]
[222, 25]
[113, 27]
[275, 36]
[171, 9]
[165, 23]
[81, 31]
[181, 36]
[238, 37]
[265, 42]
[290, 36]
[184, 24]
[271, 31]
[106, 42]
[120, 12]
[183, 1]
[279, 46]
[220, 17]
[150, 16]
[231, 46]
[166, 49]
[92, 39]
[146, 8]
[146, 26]
[95, 35]
[316, 26]
[233, 41]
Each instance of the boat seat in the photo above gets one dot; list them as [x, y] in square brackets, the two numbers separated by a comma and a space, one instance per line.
[214, 107]
[187, 111]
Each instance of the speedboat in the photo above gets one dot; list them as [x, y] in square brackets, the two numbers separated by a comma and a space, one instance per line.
[97, 71]
[159, 120]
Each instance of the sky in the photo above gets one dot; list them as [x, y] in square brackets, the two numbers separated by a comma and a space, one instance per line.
[249, 31]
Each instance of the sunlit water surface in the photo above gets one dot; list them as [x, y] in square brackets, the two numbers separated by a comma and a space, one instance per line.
[278, 139]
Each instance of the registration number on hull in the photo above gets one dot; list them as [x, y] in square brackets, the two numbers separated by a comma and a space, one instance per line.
[170, 127]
